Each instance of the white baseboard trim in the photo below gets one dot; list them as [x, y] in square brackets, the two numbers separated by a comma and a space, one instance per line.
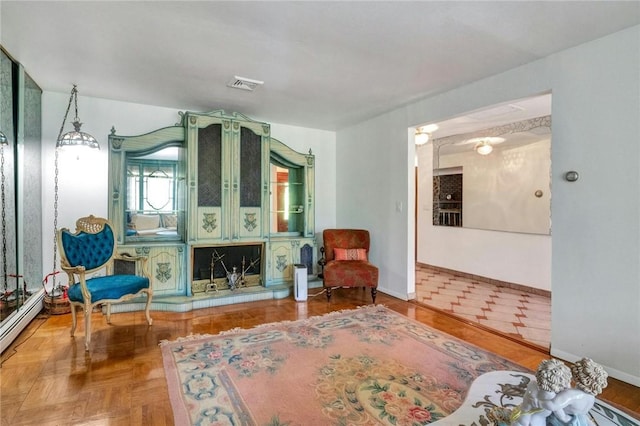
[401, 296]
[13, 325]
[617, 374]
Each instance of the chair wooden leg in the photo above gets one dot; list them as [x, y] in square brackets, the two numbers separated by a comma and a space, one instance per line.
[328, 293]
[87, 327]
[108, 313]
[374, 292]
[146, 309]
[74, 319]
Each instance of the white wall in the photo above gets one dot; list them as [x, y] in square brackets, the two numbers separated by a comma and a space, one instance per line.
[82, 183]
[596, 267]
[595, 256]
[373, 193]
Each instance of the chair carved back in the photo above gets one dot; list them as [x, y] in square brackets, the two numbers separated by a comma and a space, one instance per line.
[93, 245]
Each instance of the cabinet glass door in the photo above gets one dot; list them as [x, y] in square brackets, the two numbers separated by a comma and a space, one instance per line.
[291, 176]
[250, 184]
[228, 171]
[210, 182]
[287, 200]
[209, 166]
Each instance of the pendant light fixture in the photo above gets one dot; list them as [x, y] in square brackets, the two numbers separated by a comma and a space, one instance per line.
[75, 137]
[56, 301]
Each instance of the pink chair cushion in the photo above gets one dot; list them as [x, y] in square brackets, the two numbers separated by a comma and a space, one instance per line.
[345, 239]
[350, 254]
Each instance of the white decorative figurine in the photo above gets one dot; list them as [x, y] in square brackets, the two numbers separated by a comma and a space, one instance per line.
[550, 401]
[590, 379]
[552, 377]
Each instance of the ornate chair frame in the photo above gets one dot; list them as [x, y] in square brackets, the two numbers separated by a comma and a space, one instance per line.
[93, 248]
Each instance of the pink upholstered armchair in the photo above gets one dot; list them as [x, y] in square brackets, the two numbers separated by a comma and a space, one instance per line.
[347, 260]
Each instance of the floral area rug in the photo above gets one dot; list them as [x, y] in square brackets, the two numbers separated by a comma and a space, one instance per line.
[367, 366]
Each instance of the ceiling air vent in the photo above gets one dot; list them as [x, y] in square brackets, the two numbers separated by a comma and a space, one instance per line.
[496, 112]
[244, 83]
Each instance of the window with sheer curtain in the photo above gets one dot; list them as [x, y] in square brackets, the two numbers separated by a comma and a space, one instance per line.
[151, 186]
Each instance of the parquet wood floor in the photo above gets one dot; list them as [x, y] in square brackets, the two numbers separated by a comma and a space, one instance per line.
[48, 379]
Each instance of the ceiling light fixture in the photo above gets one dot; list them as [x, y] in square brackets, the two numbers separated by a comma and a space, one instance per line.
[484, 146]
[75, 137]
[423, 134]
[421, 137]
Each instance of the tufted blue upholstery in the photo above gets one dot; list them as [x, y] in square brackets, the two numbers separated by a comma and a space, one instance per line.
[88, 250]
[109, 287]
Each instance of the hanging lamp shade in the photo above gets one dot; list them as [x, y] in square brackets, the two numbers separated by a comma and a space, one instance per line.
[3, 139]
[76, 137]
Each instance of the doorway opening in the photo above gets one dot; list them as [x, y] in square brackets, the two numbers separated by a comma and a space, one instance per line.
[478, 264]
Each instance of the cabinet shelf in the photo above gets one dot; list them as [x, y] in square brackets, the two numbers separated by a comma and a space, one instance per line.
[286, 183]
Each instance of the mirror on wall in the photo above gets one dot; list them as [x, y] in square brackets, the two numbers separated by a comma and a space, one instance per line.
[9, 286]
[492, 169]
[21, 267]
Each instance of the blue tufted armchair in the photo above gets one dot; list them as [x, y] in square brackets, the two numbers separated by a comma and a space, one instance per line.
[91, 248]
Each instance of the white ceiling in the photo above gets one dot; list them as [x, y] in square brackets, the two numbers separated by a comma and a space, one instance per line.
[494, 115]
[324, 64]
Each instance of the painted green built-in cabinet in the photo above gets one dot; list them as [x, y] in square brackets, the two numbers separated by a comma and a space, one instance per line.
[210, 197]
[228, 166]
[285, 253]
